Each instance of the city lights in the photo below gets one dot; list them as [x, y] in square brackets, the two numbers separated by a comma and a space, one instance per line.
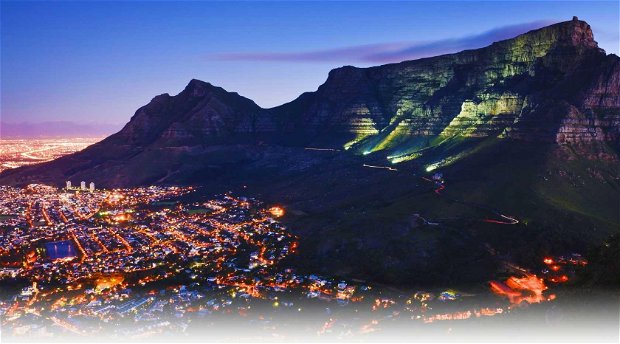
[276, 211]
[103, 254]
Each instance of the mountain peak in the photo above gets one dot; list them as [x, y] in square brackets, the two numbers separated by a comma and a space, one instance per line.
[573, 32]
[582, 33]
[198, 88]
[197, 83]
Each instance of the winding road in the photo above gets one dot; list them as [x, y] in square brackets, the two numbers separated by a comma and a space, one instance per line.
[507, 219]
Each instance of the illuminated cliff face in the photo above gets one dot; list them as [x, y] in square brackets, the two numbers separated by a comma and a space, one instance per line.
[551, 84]
[491, 114]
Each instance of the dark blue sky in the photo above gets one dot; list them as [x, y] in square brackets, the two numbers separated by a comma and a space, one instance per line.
[100, 61]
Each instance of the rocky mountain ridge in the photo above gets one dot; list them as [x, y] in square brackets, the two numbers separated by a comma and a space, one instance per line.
[513, 87]
[551, 85]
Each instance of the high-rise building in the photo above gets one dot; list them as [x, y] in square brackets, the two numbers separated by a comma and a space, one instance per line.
[91, 186]
[83, 185]
[68, 184]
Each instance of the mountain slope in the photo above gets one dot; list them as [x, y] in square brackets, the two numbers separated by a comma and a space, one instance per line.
[545, 85]
[548, 85]
[170, 134]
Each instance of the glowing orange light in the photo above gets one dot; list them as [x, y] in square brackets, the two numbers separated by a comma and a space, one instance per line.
[548, 261]
[121, 218]
[276, 211]
[555, 267]
[528, 288]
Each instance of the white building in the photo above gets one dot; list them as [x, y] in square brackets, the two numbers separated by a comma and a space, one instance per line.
[68, 184]
[91, 186]
[83, 185]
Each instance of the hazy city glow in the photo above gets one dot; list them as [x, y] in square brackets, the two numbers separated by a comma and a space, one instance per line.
[15, 153]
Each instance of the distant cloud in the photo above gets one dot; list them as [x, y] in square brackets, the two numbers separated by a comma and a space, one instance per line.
[388, 52]
[356, 53]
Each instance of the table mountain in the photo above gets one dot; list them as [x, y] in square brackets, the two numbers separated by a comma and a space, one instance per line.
[549, 85]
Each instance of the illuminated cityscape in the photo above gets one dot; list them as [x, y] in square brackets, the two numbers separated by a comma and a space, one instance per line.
[92, 260]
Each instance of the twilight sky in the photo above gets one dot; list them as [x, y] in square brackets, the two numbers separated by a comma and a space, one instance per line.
[97, 62]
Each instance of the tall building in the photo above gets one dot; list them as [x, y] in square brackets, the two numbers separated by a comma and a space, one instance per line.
[91, 186]
[83, 185]
[68, 184]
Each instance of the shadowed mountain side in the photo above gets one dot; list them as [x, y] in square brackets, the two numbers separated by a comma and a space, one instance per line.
[361, 222]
